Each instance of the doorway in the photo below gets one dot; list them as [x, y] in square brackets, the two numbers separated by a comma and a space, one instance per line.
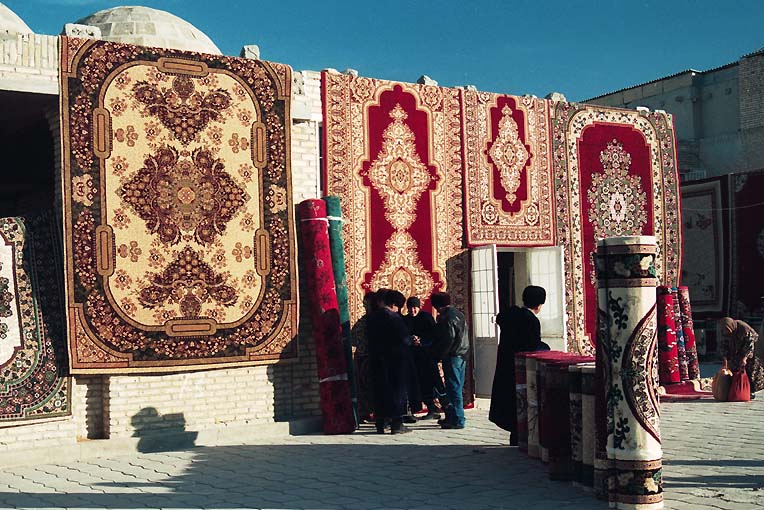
[499, 276]
[26, 142]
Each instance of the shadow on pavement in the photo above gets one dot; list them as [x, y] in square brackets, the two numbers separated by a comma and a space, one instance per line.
[357, 476]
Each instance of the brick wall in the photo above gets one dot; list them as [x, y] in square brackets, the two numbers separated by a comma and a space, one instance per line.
[121, 407]
[29, 63]
[751, 83]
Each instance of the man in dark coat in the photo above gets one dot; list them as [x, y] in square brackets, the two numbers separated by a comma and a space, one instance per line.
[421, 326]
[451, 344]
[389, 342]
[520, 332]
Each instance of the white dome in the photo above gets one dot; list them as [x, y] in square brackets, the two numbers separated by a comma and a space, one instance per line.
[10, 21]
[145, 26]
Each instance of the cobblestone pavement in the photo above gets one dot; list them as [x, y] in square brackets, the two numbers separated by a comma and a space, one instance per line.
[713, 460]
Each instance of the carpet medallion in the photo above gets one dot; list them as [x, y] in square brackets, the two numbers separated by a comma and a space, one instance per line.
[393, 156]
[614, 175]
[33, 381]
[507, 176]
[178, 209]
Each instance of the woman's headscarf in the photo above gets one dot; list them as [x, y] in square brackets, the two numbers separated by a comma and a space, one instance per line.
[728, 325]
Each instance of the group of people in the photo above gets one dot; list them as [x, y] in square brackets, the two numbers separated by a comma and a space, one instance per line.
[404, 352]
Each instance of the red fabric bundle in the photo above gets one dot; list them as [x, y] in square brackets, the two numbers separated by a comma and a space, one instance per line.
[740, 390]
[693, 369]
[336, 403]
[683, 370]
[668, 353]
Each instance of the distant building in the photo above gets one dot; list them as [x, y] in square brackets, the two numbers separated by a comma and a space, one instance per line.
[718, 115]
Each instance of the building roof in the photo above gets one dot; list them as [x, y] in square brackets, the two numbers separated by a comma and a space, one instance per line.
[149, 27]
[680, 73]
[10, 22]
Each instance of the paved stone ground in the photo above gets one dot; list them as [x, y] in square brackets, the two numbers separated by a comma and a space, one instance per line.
[713, 460]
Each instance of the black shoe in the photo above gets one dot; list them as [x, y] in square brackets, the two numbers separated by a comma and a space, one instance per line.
[753, 396]
[401, 430]
[409, 419]
[449, 425]
[442, 421]
[431, 415]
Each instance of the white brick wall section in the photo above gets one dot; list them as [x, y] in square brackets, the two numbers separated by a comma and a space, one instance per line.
[29, 62]
[35, 434]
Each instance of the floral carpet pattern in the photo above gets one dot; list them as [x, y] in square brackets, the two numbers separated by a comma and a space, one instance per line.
[508, 172]
[179, 228]
[33, 379]
[393, 156]
[615, 175]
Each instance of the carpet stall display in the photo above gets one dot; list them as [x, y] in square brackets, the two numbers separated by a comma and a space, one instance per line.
[334, 386]
[178, 217]
[575, 418]
[537, 397]
[614, 174]
[581, 425]
[627, 277]
[706, 237]
[692, 389]
[507, 174]
[668, 353]
[587, 424]
[532, 404]
[393, 157]
[334, 216]
[33, 368]
[680, 344]
[521, 393]
[556, 431]
[691, 352]
[747, 245]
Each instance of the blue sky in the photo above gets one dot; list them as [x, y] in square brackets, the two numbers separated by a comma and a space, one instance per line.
[580, 48]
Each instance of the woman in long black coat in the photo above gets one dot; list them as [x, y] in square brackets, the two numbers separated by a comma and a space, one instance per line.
[520, 332]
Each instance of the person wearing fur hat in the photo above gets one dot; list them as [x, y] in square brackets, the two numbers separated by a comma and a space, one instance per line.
[389, 341]
[520, 332]
[421, 325]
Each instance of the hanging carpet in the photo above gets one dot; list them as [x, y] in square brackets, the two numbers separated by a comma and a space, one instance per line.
[507, 174]
[393, 157]
[747, 245]
[33, 370]
[615, 175]
[706, 236]
[178, 217]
